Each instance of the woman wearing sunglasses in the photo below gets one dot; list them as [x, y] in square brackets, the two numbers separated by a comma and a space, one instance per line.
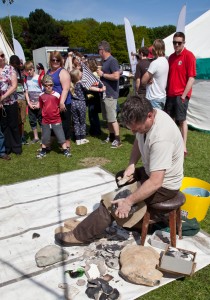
[61, 79]
[9, 107]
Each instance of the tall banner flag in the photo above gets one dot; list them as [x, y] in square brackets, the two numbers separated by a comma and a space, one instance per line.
[130, 45]
[142, 43]
[4, 45]
[181, 20]
[19, 50]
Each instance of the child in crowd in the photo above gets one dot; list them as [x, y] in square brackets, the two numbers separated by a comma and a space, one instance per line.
[49, 103]
[41, 73]
[33, 91]
[78, 106]
[21, 98]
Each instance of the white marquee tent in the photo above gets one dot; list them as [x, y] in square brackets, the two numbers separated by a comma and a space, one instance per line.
[198, 41]
[4, 45]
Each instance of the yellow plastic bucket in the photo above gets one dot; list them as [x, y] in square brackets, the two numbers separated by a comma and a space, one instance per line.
[197, 193]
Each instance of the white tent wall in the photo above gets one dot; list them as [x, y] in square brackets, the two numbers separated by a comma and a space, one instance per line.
[196, 35]
[197, 41]
[198, 114]
[4, 45]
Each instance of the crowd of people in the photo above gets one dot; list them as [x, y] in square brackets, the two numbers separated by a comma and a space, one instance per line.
[57, 101]
[162, 91]
[167, 83]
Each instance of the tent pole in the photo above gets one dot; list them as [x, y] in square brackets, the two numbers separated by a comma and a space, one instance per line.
[10, 21]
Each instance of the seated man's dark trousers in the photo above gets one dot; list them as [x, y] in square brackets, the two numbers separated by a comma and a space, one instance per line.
[95, 224]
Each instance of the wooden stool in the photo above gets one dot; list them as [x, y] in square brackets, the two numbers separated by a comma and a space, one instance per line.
[171, 207]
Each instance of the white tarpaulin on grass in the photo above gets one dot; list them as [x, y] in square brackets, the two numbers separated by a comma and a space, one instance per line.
[39, 206]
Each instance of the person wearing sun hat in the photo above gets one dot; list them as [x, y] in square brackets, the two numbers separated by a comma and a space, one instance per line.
[47, 79]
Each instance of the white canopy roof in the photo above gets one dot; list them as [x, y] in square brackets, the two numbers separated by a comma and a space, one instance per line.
[197, 37]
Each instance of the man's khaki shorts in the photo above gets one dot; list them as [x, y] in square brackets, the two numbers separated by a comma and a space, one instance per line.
[109, 109]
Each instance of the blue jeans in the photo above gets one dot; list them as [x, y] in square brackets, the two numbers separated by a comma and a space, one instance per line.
[2, 146]
[158, 103]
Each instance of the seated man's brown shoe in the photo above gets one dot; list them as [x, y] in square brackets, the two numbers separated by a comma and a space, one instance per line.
[71, 223]
[61, 229]
[68, 239]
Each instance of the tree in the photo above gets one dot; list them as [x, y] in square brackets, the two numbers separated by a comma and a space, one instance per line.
[40, 30]
[9, 1]
[160, 32]
[43, 29]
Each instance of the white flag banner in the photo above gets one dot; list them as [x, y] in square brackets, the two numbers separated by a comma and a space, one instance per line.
[130, 45]
[4, 45]
[142, 43]
[18, 50]
[181, 20]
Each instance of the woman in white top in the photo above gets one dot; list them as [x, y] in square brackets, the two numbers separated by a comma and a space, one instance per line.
[156, 76]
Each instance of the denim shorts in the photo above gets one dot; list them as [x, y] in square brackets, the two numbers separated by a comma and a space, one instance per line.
[158, 103]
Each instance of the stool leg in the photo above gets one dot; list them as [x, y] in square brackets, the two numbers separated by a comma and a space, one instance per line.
[172, 225]
[145, 225]
[179, 222]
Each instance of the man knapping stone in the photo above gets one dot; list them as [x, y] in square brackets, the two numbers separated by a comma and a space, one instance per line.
[159, 144]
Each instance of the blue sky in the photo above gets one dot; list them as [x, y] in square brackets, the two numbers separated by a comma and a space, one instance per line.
[149, 13]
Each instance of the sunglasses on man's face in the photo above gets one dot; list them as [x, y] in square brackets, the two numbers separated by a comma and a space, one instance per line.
[47, 85]
[177, 43]
[2, 55]
[55, 60]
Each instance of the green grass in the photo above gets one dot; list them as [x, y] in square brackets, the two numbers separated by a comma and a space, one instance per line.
[197, 164]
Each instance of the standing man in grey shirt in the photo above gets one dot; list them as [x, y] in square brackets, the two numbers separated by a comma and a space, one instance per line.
[109, 75]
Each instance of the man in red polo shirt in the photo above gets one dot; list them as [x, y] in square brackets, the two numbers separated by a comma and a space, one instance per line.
[182, 72]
